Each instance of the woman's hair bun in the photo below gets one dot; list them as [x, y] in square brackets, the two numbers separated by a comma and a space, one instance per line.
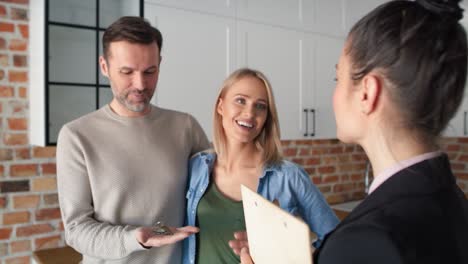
[444, 8]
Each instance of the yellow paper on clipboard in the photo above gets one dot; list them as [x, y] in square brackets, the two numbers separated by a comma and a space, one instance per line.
[275, 236]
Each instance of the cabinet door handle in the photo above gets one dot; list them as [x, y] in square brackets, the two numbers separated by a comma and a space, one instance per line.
[313, 122]
[465, 130]
[306, 111]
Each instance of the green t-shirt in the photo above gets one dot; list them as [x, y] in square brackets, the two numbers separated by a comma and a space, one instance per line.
[218, 218]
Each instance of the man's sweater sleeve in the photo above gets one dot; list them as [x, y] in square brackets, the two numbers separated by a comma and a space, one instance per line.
[82, 232]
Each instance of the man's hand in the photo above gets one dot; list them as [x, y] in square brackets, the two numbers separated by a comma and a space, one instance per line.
[240, 241]
[146, 237]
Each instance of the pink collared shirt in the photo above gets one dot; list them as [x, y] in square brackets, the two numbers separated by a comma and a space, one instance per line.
[389, 172]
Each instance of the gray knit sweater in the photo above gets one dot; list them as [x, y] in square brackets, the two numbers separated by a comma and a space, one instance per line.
[118, 173]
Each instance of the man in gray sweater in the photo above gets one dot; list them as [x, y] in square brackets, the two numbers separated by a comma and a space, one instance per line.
[123, 167]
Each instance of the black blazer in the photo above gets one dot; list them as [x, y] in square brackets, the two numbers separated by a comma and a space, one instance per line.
[419, 215]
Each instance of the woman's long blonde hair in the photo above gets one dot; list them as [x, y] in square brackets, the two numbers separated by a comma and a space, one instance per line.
[268, 141]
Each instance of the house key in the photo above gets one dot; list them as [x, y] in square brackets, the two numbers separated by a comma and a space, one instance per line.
[160, 229]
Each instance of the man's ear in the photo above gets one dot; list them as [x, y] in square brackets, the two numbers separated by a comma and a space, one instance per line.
[370, 93]
[103, 66]
[219, 106]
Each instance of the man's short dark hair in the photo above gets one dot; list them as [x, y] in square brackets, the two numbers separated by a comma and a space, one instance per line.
[132, 29]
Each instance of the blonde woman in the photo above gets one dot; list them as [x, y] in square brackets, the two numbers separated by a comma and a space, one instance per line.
[247, 150]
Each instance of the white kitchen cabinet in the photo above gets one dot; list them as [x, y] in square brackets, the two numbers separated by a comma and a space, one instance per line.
[273, 12]
[356, 9]
[323, 53]
[325, 17]
[217, 7]
[197, 55]
[276, 52]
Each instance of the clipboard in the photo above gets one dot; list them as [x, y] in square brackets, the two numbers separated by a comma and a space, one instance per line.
[274, 235]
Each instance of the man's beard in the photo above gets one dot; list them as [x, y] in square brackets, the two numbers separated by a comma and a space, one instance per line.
[134, 107]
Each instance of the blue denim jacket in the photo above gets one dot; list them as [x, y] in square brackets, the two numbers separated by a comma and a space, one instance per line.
[287, 182]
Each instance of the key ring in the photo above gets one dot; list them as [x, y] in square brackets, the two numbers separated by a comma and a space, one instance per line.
[160, 229]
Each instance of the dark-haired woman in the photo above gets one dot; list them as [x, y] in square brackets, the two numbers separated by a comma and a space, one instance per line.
[400, 79]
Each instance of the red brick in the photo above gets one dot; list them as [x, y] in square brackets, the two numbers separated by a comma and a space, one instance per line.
[3, 202]
[19, 107]
[304, 152]
[4, 60]
[18, 45]
[16, 218]
[329, 160]
[22, 170]
[2, 74]
[7, 27]
[18, 14]
[3, 11]
[344, 178]
[44, 184]
[310, 171]
[33, 230]
[326, 169]
[44, 152]
[337, 150]
[14, 186]
[316, 180]
[3, 249]
[319, 151]
[357, 177]
[17, 123]
[50, 199]
[329, 179]
[458, 166]
[20, 246]
[2, 44]
[60, 226]
[2, 171]
[298, 161]
[343, 187]
[6, 154]
[22, 154]
[312, 161]
[23, 92]
[49, 168]
[452, 147]
[18, 76]
[48, 214]
[461, 176]
[463, 140]
[15, 139]
[7, 91]
[325, 189]
[20, 60]
[18, 260]
[24, 29]
[5, 232]
[290, 152]
[48, 242]
[26, 201]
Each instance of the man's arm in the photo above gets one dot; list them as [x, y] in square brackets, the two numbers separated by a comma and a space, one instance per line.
[82, 231]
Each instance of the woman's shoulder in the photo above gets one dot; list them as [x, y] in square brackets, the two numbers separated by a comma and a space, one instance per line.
[287, 168]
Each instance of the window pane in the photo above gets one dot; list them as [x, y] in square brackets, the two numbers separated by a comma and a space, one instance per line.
[111, 10]
[72, 55]
[102, 78]
[81, 12]
[67, 103]
[105, 95]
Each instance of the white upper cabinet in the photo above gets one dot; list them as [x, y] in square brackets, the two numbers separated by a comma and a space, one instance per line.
[197, 55]
[325, 17]
[356, 9]
[273, 12]
[327, 51]
[277, 53]
[218, 7]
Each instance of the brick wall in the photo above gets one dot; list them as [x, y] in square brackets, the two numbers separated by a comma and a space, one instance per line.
[29, 211]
